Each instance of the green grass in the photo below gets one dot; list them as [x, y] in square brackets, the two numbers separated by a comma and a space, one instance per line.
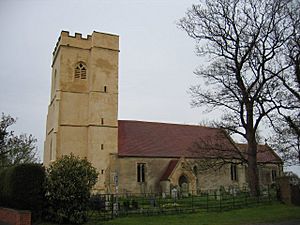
[262, 214]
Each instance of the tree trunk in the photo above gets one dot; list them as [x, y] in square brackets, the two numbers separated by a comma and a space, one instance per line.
[252, 172]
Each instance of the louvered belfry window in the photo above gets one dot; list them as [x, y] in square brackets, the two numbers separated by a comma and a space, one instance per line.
[80, 71]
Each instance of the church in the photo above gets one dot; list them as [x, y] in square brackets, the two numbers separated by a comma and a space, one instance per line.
[134, 156]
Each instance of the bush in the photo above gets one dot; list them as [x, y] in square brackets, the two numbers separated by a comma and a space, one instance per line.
[97, 203]
[21, 187]
[68, 185]
[2, 183]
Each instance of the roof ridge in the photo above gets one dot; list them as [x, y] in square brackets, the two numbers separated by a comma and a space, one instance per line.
[247, 144]
[170, 123]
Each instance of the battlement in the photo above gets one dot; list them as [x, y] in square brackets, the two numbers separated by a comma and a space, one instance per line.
[97, 39]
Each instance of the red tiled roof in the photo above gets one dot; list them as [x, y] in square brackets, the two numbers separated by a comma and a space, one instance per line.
[265, 154]
[149, 139]
[169, 170]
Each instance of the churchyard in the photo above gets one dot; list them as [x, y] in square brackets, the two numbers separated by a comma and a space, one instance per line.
[264, 213]
[109, 207]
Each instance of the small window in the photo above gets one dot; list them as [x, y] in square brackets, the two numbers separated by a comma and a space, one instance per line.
[102, 146]
[234, 172]
[102, 121]
[141, 172]
[105, 89]
[51, 150]
[102, 171]
[80, 71]
[195, 170]
[274, 175]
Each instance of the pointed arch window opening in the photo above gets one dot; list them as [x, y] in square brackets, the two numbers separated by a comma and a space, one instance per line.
[80, 71]
[183, 179]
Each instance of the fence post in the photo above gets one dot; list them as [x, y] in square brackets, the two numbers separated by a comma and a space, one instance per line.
[192, 202]
[158, 203]
[207, 202]
[112, 205]
[233, 202]
[220, 199]
[269, 194]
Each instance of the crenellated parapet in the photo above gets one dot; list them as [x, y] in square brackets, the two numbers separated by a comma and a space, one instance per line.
[97, 39]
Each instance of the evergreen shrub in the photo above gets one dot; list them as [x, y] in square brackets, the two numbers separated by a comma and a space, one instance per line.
[2, 183]
[68, 186]
[21, 187]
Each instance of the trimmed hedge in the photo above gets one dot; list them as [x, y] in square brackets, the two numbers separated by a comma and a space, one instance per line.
[2, 183]
[21, 187]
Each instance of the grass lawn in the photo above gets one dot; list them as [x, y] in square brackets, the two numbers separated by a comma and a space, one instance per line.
[267, 213]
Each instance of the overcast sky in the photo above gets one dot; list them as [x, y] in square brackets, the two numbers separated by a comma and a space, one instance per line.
[157, 59]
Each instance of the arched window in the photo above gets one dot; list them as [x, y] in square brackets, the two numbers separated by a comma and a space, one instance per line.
[80, 71]
[182, 179]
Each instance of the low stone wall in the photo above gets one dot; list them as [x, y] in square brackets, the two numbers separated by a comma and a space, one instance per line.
[15, 217]
[295, 194]
[289, 193]
[284, 189]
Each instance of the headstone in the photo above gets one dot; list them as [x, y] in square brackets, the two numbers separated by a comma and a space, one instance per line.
[174, 193]
[185, 189]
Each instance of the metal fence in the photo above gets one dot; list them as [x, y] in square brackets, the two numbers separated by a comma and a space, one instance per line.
[109, 206]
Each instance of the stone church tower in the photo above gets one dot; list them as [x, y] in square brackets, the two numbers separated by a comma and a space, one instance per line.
[82, 114]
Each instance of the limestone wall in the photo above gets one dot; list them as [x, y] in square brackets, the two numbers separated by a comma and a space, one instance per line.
[155, 168]
[214, 179]
[82, 114]
[127, 168]
[265, 173]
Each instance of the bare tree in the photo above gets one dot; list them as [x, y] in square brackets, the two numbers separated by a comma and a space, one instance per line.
[287, 126]
[244, 40]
